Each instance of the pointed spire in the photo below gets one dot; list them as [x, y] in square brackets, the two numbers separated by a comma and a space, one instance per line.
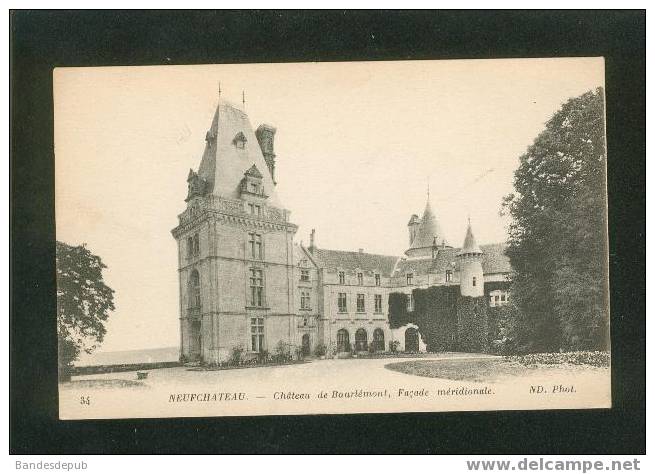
[470, 245]
[428, 231]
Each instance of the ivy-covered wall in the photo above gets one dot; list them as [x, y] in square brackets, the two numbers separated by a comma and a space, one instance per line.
[446, 320]
[472, 335]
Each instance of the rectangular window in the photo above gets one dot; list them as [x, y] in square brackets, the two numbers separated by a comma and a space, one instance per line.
[377, 279]
[255, 244]
[410, 278]
[258, 210]
[342, 278]
[449, 275]
[360, 303]
[475, 280]
[343, 306]
[257, 334]
[410, 302]
[304, 300]
[304, 275]
[360, 279]
[378, 303]
[256, 287]
[251, 208]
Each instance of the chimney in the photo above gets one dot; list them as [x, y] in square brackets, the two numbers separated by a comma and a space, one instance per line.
[265, 136]
[361, 250]
[312, 237]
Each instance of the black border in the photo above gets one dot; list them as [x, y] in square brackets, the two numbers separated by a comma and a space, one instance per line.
[41, 40]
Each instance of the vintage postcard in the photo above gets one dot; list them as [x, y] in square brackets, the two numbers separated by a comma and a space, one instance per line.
[319, 238]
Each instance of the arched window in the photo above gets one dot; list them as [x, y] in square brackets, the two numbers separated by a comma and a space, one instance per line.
[361, 340]
[194, 290]
[343, 340]
[378, 340]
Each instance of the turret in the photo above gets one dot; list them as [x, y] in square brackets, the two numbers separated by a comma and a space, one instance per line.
[470, 266]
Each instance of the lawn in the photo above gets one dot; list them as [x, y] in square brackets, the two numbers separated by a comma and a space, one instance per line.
[483, 370]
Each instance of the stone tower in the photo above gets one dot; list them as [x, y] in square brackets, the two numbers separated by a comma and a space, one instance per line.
[235, 246]
[470, 266]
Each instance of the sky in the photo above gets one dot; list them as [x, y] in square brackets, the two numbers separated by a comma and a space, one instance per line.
[357, 146]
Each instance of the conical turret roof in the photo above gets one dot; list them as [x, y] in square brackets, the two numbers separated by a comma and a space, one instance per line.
[428, 231]
[470, 245]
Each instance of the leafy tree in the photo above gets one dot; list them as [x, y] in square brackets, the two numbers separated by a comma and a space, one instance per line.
[84, 302]
[558, 237]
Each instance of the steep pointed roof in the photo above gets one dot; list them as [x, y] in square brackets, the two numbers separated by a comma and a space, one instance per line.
[470, 245]
[427, 231]
[223, 164]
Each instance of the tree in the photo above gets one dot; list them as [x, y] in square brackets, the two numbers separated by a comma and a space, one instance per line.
[84, 302]
[558, 237]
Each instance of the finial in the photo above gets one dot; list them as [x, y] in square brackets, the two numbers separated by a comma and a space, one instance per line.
[243, 97]
[428, 188]
[219, 89]
[469, 219]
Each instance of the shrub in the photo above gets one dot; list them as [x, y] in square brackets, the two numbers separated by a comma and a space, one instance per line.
[236, 355]
[320, 350]
[393, 346]
[281, 353]
[263, 356]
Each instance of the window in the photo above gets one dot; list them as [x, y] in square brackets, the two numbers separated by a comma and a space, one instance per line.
[378, 303]
[189, 247]
[257, 334]
[255, 209]
[360, 279]
[475, 280]
[498, 298]
[254, 188]
[377, 279]
[194, 290]
[304, 275]
[193, 246]
[304, 300]
[255, 242]
[360, 303]
[410, 278]
[256, 287]
[410, 302]
[343, 306]
[342, 278]
[449, 275]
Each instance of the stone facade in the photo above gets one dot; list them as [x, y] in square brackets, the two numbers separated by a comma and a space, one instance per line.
[244, 283]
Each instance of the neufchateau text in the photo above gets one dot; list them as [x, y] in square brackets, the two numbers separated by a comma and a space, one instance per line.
[330, 394]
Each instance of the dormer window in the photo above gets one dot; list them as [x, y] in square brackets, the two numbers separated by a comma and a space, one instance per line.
[240, 140]
[252, 182]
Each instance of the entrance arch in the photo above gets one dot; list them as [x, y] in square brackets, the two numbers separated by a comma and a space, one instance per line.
[305, 344]
[378, 340]
[411, 340]
[343, 340]
[361, 340]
